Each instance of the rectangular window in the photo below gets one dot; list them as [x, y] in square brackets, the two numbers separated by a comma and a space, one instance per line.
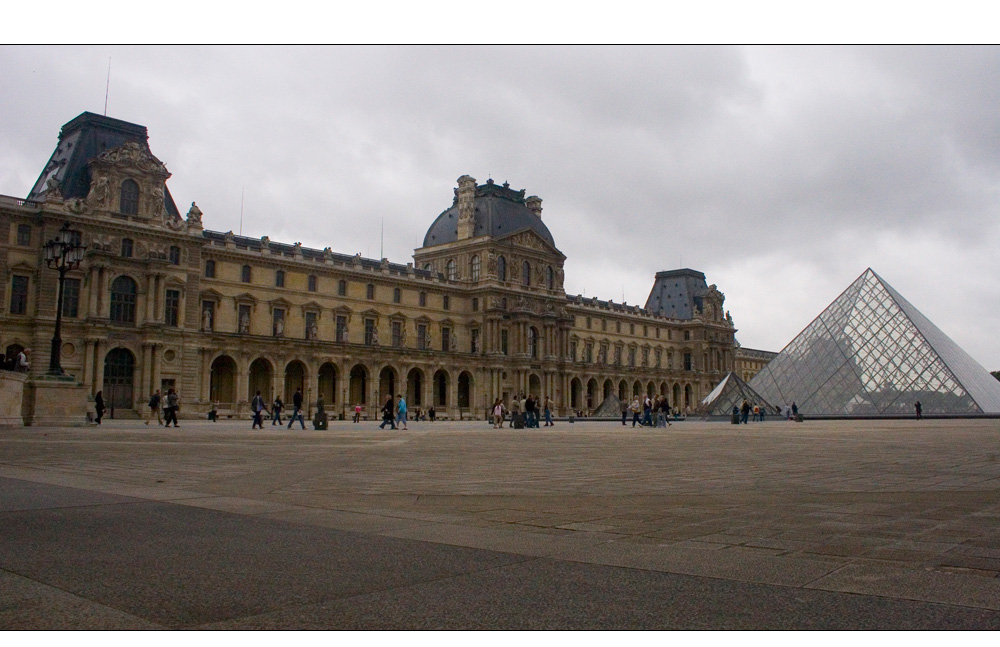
[631, 329]
[474, 340]
[631, 357]
[475, 304]
[687, 361]
[278, 322]
[504, 346]
[209, 269]
[279, 279]
[588, 323]
[312, 329]
[618, 326]
[172, 308]
[588, 353]
[397, 333]
[342, 288]
[423, 299]
[657, 333]
[24, 235]
[370, 292]
[422, 342]
[126, 248]
[446, 302]
[71, 298]
[397, 295]
[312, 282]
[445, 339]
[687, 335]
[245, 274]
[604, 325]
[572, 350]
[341, 328]
[175, 255]
[19, 295]
[369, 332]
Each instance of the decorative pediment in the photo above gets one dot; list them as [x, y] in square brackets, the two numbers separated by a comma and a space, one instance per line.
[343, 310]
[280, 303]
[210, 295]
[132, 155]
[174, 282]
[312, 306]
[529, 239]
[245, 298]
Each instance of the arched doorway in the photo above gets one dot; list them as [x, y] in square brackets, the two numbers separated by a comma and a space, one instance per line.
[441, 388]
[650, 389]
[260, 379]
[623, 391]
[464, 390]
[222, 382]
[592, 394]
[575, 393]
[676, 401]
[12, 352]
[119, 372]
[295, 378]
[687, 395]
[609, 388]
[358, 385]
[386, 384]
[637, 389]
[328, 383]
[535, 386]
[415, 388]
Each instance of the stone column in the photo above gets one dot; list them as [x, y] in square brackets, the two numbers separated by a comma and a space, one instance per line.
[206, 375]
[146, 377]
[88, 366]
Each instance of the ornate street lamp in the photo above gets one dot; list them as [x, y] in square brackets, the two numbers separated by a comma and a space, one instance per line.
[63, 253]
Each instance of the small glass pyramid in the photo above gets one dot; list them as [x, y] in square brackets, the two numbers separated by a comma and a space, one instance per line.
[871, 353]
[730, 392]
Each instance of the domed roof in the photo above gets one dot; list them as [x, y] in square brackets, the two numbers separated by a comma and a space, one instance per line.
[500, 211]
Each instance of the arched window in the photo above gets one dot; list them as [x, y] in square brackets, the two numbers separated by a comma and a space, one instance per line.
[502, 268]
[550, 281]
[128, 201]
[451, 269]
[245, 274]
[474, 268]
[526, 273]
[123, 291]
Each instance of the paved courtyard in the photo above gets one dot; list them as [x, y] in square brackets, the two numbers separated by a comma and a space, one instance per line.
[775, 525]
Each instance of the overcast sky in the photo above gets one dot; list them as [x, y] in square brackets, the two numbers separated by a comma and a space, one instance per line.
[782, 173]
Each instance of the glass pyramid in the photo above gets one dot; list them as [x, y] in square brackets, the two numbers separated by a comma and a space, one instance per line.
[732, 391]
[871, 353]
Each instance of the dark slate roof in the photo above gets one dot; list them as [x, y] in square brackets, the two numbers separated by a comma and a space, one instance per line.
[500, 211]
[308, 253]
[80, 141]
[676, 292]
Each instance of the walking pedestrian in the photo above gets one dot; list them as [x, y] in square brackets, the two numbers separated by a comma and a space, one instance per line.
[99, 406]
[173, 404]
[357, 412]
[635, 412]
[401, 412]
[297, 409]
[387, 415]
[276, 408]
[154, 407]
[548, 412]
[257, 407]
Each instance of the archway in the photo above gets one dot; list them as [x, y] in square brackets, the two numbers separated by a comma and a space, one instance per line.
[676, 401]
[222, 382]
[358, 388]
[687, 395]
[12, 352]
[663, 389]
[464, 390]
[327, 383]
[575, 393]
[637, 389]
[260, 379]
[650, 389]
[592, 394]
[415, 388]
[441, 388]
[623, 391]
[535, 386]
[386, 384]
[295, 378]
[119, 372]
[609, 388]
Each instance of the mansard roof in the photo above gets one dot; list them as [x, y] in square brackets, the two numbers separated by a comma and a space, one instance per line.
[80, 141]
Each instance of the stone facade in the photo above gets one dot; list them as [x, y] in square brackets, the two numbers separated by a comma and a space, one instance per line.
[750, 362]
[480, 313]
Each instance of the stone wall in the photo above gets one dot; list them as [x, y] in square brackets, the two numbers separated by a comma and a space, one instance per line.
[11, 396]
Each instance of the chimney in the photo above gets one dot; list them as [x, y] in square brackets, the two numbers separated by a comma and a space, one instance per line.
[535, 204]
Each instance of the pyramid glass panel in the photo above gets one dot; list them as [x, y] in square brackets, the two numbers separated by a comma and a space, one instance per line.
[871, 353]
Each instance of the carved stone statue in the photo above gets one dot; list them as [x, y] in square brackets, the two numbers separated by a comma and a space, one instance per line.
[194, 216]
[491, 265]
[374, 335]
[265, 242]
[154, 206]
[453, 343]
[313, 331]
[402, 335]
[245, 324]
[279, 328]
[206, 319]
[52, 190]
[100, 192]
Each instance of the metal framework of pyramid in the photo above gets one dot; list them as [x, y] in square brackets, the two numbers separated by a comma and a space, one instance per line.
[871, 353]
[732, 391]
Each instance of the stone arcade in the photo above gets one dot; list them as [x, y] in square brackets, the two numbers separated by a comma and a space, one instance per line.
[161, 302]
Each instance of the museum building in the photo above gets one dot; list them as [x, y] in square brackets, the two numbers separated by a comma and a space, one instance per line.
[480, 313]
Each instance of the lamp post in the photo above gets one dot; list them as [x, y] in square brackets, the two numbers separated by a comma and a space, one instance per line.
[63, 253]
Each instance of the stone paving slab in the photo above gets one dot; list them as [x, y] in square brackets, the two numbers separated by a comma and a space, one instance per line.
[884, 510]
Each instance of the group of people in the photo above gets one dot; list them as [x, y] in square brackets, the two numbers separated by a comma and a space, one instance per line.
[743, 412]
[392, 414]
[647, 408]
[259, 408]
[169, 404]
[528, 405]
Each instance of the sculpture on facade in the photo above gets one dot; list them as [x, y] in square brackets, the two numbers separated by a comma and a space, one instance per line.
[244, 323]
[194, 216]
[206, 319]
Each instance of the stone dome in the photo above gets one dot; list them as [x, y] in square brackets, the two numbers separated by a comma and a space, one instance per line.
[499, 211]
